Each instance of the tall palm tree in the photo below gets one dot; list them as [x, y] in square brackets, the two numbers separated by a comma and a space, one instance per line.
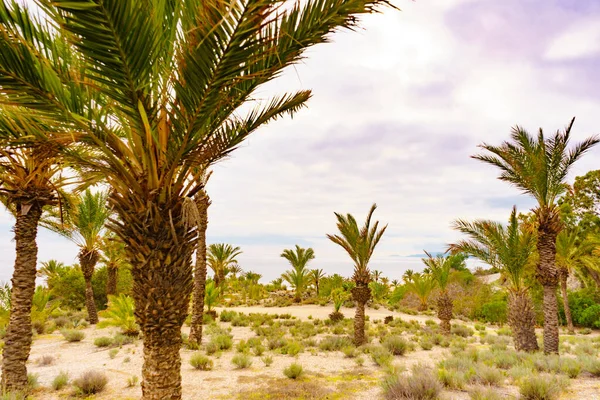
[422, 286]
[360, 244]
[572, 251]
[84, 227]
[298, 276]
[539, 166]
[176, 83]
[440, 268]
[113, 257]
[316, 275]
[510, 250]
[222, 256]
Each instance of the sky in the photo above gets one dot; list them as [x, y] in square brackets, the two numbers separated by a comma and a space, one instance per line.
[398, 108]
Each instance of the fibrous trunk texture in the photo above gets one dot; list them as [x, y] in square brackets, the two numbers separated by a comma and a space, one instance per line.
[159, 243]
[444, 312]
[17, 342]
[111, 281]
[87, 261]
[202, 203]
[422, 306]
[547, 275]
[564, 275]
[521, 318]
[297, 296]
[361, 295]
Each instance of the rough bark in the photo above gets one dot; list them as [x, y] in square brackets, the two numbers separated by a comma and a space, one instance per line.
[202, 203]
[547, 275]
[87, 261]
[564, 275]
[422, 306]
[361, 295]
[297, 296]
[521, 318]
[17, 342]
[444, 312]
[111, 281]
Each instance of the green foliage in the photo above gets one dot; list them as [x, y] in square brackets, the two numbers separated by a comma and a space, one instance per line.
[421, 384]
[441, 266]
[60, 381]
[103, 341]
[396, 345]
[91, 382]
[381, 356]
[379, 291]
[267, 360]
[293, 371]
[211, 295]
[241, 361]
[334, 343]
[222, 341]
[72, 335]
[541, 387]
[585, 308]
[120, 313]
[201, 362]
[338, 296]
[494, 312]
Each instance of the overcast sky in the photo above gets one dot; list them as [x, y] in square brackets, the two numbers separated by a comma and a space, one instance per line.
[398, 108]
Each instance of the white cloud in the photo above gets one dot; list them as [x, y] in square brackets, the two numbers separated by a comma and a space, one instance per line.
[581, 40]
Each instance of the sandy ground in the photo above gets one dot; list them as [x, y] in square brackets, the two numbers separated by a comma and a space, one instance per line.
[327, 369]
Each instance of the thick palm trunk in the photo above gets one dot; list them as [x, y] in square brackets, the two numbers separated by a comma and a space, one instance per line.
[17, 342]
[422, 306]
[547, 275]
[298, 296]
[564, 275]
[159, 250]
[445, 312]
[87, 261]
[202, 203]
[111, 281]
[521, 318]
[361, 295]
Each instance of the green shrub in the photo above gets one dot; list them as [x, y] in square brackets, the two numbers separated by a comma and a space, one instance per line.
[201, 362]
[293, 371]
[258, 350]
[486, 375]
[349, 351]
[292, 348]
[223, 342]
[113, 353]
[267, 360]
[462, 331]
[91, 382]
[334, 343]
[396, 345]
[426, 343]
[421, 384]
[360, 360]
[120, 313]
[103, 341]
[241, 361]
[45, 360]
[452, 379]
[540, 387]
[72, 335]
[494, 312]
[32, 381]
[480, 393]
[227, 316]
[121, 340]
[132, 381]
[479, 327]
[60, 381]
[381, 356]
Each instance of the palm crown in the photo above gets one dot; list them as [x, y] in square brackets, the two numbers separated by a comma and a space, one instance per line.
[441, 266]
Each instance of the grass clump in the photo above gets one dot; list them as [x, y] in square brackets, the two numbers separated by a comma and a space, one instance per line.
[421, 384]
[349, 351]
[452, 379]
[241, 361]
[72, 335]
[201, 362]
[91, 382]
[396, 345]
[381, 356]
[267, 360]
[45, 360]
[462, 331]
[481, 393]
[222, 342]
[60, 381]
[541, 387]
[293, 371]
[334, 343]
[132, 381]
[486, 375]
[103, 341]
[113, 353]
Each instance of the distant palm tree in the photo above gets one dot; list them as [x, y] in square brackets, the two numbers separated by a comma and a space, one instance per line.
[114, 258]
[539, 167]
[297, 277]
[407, 276]
[49, 270]
[395, 282]
[360, 244]
[235, 270]
[376, 275]
[252, 277]
[316, 275]
[222, 256]
[440, 268]
[509, 249]
[422, 286]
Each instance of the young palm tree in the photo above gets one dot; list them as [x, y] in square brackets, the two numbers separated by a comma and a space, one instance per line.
[298, 276]
[176, 81]
[316, 275]
[49, 270]
[376, 275]
[221, 257]
[509, 249]
[360, 244]
[422, 286]
[440, 268]
[84, 226]
[539, 167]
[408, 275]
[113, 257]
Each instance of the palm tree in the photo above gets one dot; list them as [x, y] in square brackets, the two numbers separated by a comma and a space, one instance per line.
[395, 283]
[297, 277]
[316, 275]
[509, 249]
[360, 244]
[113, 257]
[173, 86]
[539, 167]
[235, 270]
[571, 254]
[49, 270]
[84, 227]
[252, 277]
[408, 275]
[422, 286]
[440, 268]
[221, 256]
[376, 275]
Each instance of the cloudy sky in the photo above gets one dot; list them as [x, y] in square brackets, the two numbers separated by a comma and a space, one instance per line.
[398, 108]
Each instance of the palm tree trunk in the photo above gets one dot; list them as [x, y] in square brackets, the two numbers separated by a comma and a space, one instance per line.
[564, 274]
[547, 275]
[445, 312]
[317, 287]
[111, 281]
[202, 203]
[298, 296]
[521, 318]
[87, 261]
[361, 295]
[17, 342]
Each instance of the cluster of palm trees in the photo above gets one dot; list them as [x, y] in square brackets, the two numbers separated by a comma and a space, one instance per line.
[143, 96]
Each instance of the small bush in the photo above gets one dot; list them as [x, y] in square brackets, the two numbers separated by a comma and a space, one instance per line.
[360, 361]
[45, 360]
[73, 335]
[452, 379]
[132, 381]
[91, 382]
[420, 385]
[381, 356]
[484, 394]
[294, 371]
[113, 353]
[267, 360]
[540, 387]
[462, 331]
[241, 361]
[120, 339]
[426, 343]
[103, 341]
[487, 375]
[292, 348]
[349, 351]
[396, 345]
[60, 381]
[33, 381]
[334, 343]
[258, 350]
[61, 322]
[223, 342]
[227, 316]
[201, 362]
[479, 327]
